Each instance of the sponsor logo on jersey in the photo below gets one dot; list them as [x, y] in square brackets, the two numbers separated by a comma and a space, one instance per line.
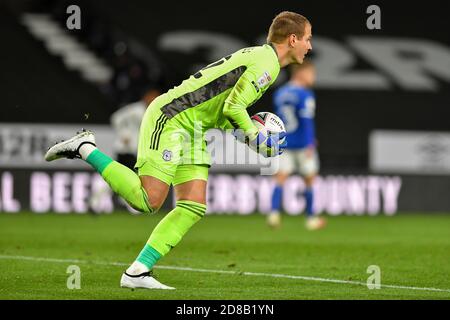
[263, 80]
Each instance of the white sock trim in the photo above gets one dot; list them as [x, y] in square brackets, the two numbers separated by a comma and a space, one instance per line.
[86, 149]
[137, 268]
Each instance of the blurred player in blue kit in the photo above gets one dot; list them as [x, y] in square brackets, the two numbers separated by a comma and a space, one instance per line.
[295, 104]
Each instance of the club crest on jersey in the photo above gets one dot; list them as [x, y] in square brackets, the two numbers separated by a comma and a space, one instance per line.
[263, 80]
[167, 155]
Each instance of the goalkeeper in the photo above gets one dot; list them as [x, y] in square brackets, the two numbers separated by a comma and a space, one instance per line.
[172, 148]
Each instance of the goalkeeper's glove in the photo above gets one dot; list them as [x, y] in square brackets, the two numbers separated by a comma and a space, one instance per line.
[268, 146]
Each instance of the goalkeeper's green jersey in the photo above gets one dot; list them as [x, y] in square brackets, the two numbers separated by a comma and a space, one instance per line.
[217, 96]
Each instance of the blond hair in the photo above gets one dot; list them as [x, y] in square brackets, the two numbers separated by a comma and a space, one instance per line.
[285, 24]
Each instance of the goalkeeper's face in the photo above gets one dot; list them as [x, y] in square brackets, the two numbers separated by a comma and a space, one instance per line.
[302, 45]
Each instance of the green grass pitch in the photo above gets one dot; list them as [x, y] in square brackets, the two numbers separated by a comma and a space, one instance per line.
[412, 251]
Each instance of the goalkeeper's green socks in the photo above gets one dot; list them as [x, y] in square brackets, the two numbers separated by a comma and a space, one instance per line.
[121, 179]
[145, 261]
[167, 234]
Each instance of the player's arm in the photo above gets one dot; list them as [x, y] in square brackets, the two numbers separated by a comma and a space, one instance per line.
[235, 109]
[244, 94]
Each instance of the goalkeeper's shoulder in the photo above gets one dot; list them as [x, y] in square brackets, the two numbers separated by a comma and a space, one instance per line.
[264, 54]
[257, 54]
[263, 64]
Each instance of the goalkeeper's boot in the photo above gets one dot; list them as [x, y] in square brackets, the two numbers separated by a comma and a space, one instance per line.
[144, 280]
[315, 223]
[70, 148]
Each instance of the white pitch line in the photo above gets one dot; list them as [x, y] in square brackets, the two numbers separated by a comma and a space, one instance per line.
[258, 274]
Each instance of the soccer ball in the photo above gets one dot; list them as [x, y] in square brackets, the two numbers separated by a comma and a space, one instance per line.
[268, 122]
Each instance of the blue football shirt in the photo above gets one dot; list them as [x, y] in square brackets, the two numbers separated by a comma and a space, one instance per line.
[296, 106]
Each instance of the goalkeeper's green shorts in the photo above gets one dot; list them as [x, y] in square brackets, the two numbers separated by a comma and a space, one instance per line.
[169, 152]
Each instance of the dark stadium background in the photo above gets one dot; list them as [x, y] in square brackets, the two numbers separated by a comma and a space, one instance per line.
[36, 87]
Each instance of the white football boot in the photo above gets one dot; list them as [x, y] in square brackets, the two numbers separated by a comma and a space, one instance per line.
[315, 223]
[144, 280]
[274, 220]
[70, 148]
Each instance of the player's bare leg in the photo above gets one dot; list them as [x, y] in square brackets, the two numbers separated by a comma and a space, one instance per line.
[194, 190]
[156, 190]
